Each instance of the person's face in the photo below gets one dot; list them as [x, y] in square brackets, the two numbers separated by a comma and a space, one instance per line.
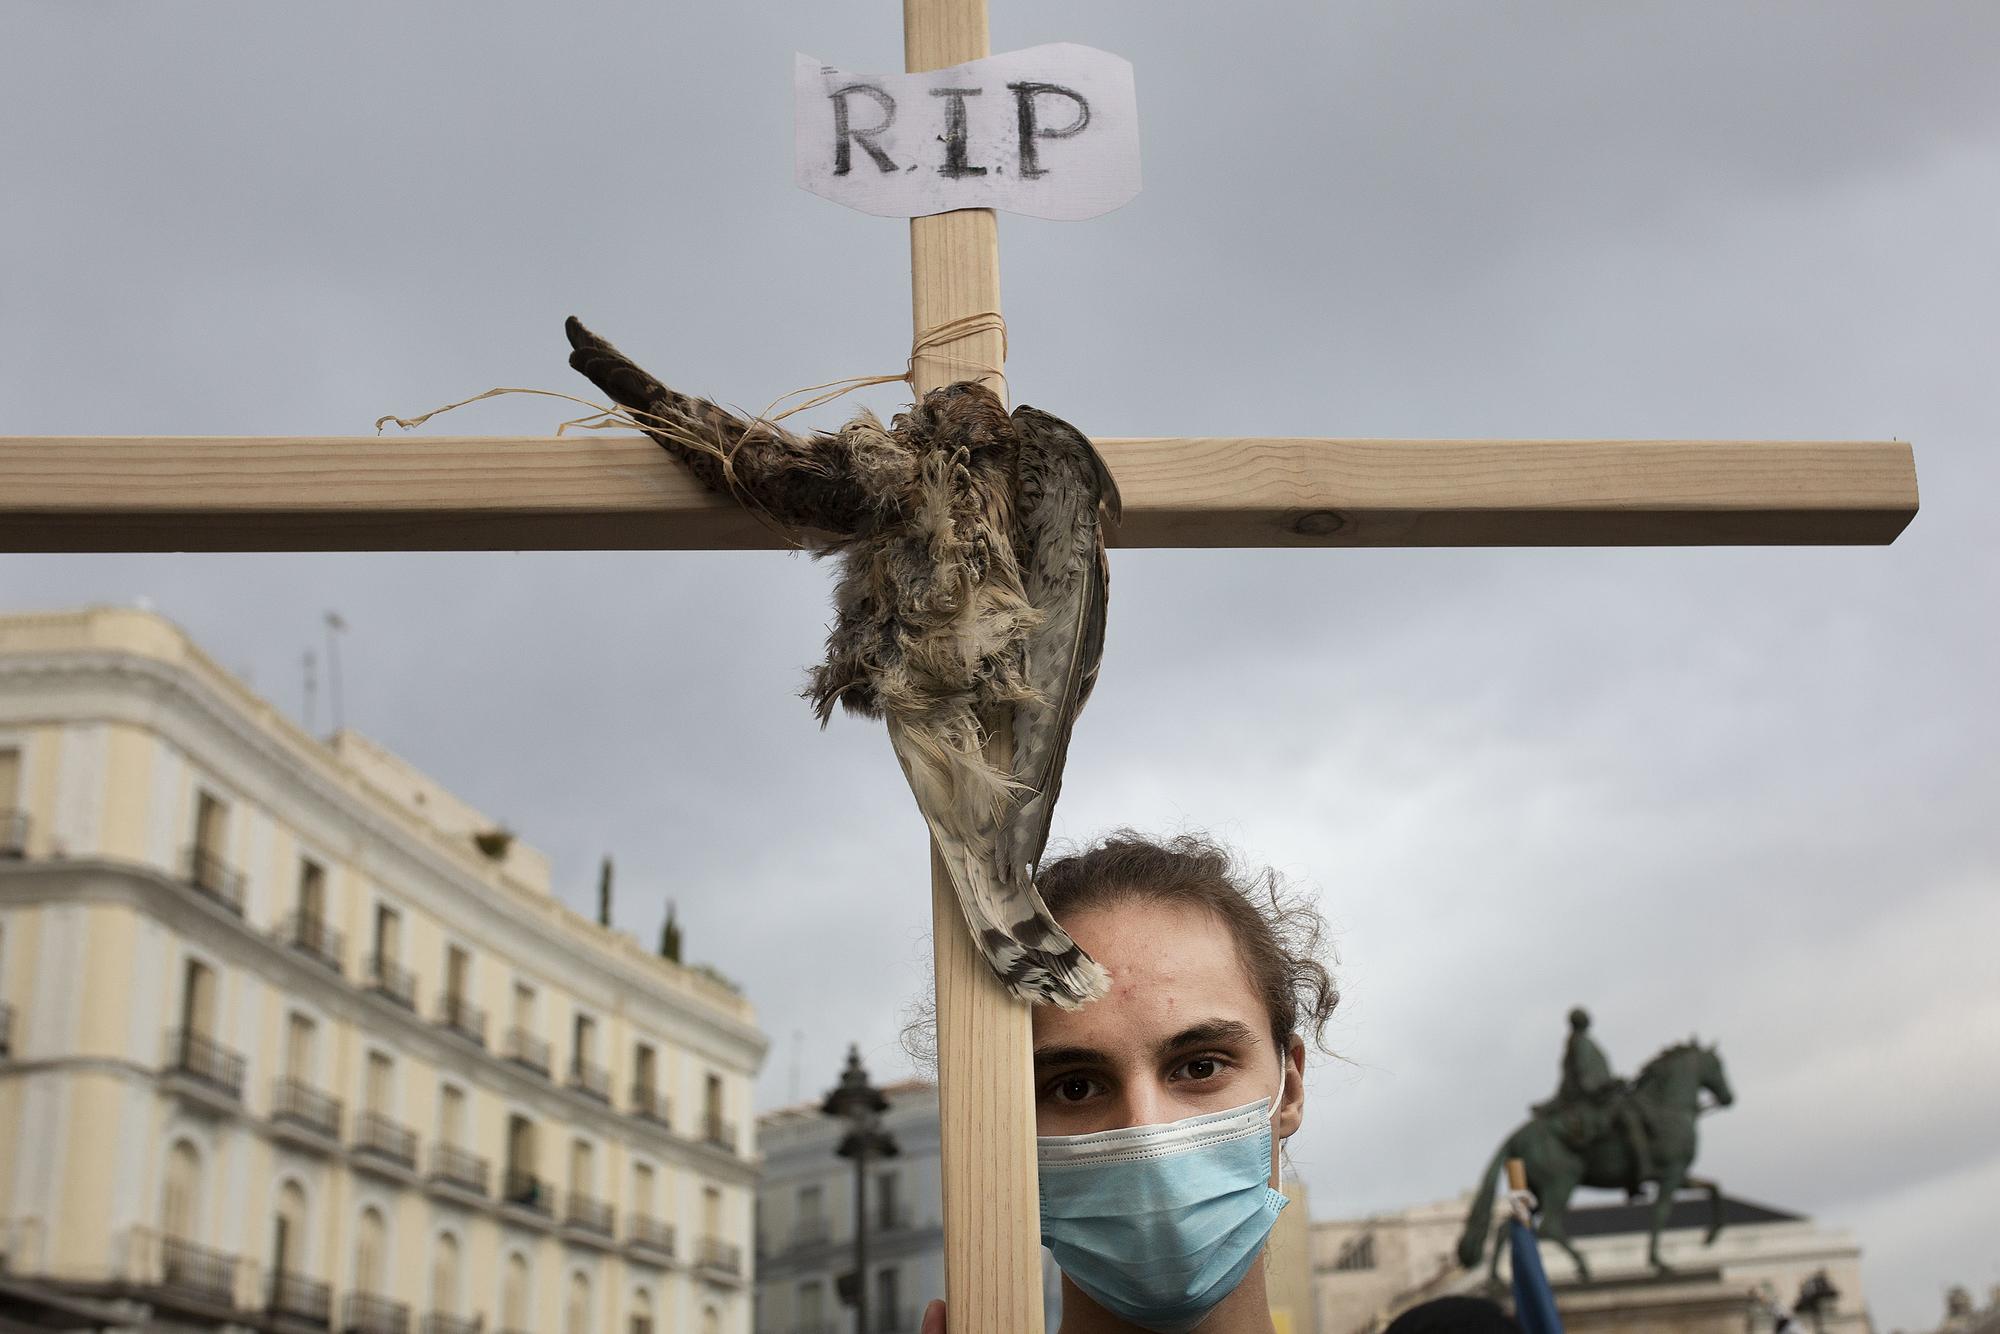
[1181, 1033]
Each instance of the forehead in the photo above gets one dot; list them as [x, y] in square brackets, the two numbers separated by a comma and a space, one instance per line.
[1171, 965]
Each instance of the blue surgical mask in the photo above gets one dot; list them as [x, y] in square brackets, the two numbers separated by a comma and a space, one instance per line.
[1160, 1223]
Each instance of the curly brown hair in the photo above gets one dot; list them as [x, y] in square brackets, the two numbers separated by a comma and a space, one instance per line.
[1279, 933]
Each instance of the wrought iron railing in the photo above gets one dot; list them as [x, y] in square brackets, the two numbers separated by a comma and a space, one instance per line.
[13, 834]
[593, 1080]
[645, 1231]
[524, 1048]
[367, 1313]
[298, 1298]
[458, 1015]
[389, 978]
[454, 1165]
[377, 1134]
[437, 1322]
[808, 1232]
[528, 1191]
[588, 1212]
[6, 1029]
[715, 1253]
[208, 874]
[198, 1056]
[198, 1271]
[720, 1133]
[647, 1103]
[300, 1103]
[309, 934]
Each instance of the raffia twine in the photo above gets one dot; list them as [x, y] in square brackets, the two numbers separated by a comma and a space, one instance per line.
[604, 417]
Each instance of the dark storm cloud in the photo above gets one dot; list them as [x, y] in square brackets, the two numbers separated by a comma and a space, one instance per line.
[1745, 792]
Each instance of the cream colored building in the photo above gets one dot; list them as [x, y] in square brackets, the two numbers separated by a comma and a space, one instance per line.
[284, 1049]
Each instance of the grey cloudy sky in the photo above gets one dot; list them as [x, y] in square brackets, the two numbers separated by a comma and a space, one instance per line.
[1749, 793]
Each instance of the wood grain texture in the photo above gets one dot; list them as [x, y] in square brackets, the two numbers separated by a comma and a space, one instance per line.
[986, 1109]
[600, 492]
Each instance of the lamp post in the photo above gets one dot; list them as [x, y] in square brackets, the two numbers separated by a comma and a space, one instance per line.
[861, 1105]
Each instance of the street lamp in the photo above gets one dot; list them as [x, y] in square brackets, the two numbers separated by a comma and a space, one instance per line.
[861, 1105]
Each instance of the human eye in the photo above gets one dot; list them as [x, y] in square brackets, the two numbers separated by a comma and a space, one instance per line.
[1072, 1089]
[1201, 1069]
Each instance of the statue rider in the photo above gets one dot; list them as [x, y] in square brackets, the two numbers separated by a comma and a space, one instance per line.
[1589, 1090]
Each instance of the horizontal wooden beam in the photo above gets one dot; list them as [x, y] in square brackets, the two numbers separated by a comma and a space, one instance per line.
[599, 492]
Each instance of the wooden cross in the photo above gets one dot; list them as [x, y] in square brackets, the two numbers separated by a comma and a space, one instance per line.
[600, 493]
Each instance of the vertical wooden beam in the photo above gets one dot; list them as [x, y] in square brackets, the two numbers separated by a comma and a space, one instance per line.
[992, 1221]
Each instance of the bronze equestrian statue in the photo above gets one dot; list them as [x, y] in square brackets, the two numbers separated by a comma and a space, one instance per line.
[1600, 1131]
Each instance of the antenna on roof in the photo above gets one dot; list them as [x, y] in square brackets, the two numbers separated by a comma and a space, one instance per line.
[312, 693]
[334, 626]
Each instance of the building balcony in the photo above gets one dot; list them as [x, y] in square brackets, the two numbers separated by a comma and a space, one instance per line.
[719, 1258]
[525, 1190]
[810, 1232]
[198, 1065]
[460, 1017]
[312, 937]
[198, 1273]
[207, 874]
[593, 1081]
[454, 1167]
[647, 1237]
[437, 1322]
[298, 1300]
[385, 977]
[718, 1133]
[366, 1313]
[589, 1216]
[524, 1048]
[13, 834]
[648, 1105]
[379, 1141]
[302, 1114]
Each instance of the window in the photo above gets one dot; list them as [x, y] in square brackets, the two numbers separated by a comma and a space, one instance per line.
[576, 1312]
[514, 1296]
[524, 1007]
[888, 1210]
[812, 1304]
[288, 1232]
[457, 974]
[522, 1187]
[642, 1189]
[298, 1047]
[444, 1275]
[579, 1166]
[13, 822]
[381, 1073]
[887, 1318]
[583, 1040]
[645, 1080]
[388, 934]
[198, 999]
[810, 1224]
[451, 1116]
[711, 1212]
[180, 1197]
[211, 821]
[369, 1246]
[1357, 1253]
[642, 1311]
[312, 892]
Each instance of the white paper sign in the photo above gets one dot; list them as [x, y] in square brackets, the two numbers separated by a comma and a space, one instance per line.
[1051, 131]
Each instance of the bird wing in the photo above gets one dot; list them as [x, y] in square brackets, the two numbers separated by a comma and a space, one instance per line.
[802, 482]
[964, 800]
[1063, 481]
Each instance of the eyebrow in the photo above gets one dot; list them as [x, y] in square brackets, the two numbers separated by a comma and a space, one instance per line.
[1207, 1033]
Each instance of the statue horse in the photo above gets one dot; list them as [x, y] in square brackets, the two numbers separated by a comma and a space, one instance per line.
[1667, 1096]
